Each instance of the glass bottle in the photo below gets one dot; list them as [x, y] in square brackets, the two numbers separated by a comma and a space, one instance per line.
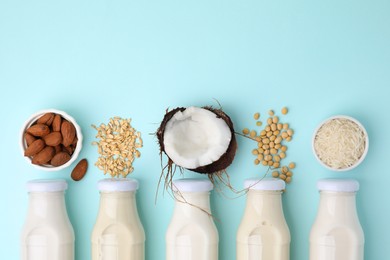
[192, 234]
[263, 233]
[118, 233]
[336, 233]
[47, 233]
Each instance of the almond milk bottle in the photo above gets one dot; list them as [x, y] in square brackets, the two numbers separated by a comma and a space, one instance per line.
[118, 233]
[336, 233]
[47, 233]
[263, 233]
[192, 234]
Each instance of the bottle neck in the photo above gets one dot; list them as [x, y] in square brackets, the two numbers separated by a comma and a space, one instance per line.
[193, 202]
[267, 204]
[47, 204]
[340, 205]
[117, 205]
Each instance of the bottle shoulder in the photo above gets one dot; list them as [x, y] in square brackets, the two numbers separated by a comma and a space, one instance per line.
[126, 231]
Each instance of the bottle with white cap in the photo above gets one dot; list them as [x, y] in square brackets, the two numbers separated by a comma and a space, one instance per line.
[192, 233]
[336, 233]
[263, 233]
[118, 233]
[47, 231]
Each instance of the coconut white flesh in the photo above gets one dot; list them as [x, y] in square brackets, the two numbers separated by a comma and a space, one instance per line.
[196, 137]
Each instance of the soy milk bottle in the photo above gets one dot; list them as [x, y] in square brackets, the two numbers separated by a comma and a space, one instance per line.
[336, 233]
[118, 233]
[47, 233]
[192, 234]
[263, 233]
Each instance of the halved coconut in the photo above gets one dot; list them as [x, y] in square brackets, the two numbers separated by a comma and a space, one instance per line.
[198, 139]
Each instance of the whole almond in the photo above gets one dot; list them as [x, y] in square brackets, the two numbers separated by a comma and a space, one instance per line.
[34, 148]
[44, 156]
[56, 125]
[60, 159]
[38, 130]
[68, 133]
[29, 138]
[80, 170]
[46, 119]
[53, 139]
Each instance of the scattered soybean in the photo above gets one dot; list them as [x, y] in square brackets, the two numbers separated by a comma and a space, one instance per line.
[271, 148]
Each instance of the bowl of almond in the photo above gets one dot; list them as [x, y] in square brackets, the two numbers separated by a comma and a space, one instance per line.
[51, 140]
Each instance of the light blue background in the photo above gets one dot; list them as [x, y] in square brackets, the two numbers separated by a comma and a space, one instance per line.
[98, 59]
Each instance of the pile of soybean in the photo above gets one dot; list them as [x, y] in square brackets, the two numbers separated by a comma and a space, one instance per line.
[271, 144]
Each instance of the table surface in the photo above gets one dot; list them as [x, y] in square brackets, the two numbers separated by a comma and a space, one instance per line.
[99, 59]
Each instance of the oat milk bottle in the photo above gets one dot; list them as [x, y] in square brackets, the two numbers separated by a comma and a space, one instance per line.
[263, 233]
[47, 233]
[336, 233]
[192, 234]
[118, 233]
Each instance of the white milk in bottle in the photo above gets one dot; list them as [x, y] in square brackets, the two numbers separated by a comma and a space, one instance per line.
[47, 233]
[263, 233]
[118, 233]
[336, 233]
[192, 234]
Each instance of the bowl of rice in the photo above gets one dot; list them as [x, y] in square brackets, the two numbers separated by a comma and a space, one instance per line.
[340, 143]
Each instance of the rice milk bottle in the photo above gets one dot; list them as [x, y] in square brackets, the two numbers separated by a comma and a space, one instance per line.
[118, 233]
[263, 233]
[47, 233]
[336, 233]
[192, 234]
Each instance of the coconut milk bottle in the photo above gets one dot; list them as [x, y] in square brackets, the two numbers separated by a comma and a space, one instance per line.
[192, 234]
[47, 233]
[118, 233]
[263, 233]
[336, 233]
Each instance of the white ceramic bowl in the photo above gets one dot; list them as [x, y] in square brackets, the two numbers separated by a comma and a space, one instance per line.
[33, 118]
[365, 148]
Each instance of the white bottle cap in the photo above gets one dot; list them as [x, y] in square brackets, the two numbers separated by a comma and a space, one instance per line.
[120, 184]
[192, 185]
[264, 184]
[46, 185]
[341, 185]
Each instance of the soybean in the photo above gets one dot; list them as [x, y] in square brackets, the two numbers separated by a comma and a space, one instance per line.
[245, 131]
[253, 133]
[284, 110]
[256, 116]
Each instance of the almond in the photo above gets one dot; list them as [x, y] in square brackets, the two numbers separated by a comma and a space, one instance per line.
[53, 139]
[60, 159]
[46, 119]
[56, 125]
[68, 133]
[68, 149]
[44, 156]
[29, 138]
[58, 148]
[34, 148]
[38, 130]
[74, 143]
[80, 170]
